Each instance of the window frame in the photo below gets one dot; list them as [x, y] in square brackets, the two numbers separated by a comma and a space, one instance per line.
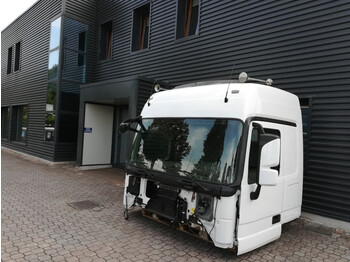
[7, 123]
[184, 38]
[9, 60]
[100, 41]
[82, 53]
[55, 48]
[61, 30]
[19, 57]
[14, 126]
[57, 79]
[134, 10]
[143, 26]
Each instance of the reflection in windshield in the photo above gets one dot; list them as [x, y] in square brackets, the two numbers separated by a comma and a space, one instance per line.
[206, 148]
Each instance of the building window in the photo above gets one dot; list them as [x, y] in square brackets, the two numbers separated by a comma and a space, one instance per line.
[74, 59]
[55, 33]
[82, 48]
[5, 112]
[51, 96]
[53, 64]
[50, 126]
[106, 32]
[17, 56]
[187, 18]
[50, 118]
[140, 33]
[52, 85]
[9, 60]
[19, 123]
[54, 49]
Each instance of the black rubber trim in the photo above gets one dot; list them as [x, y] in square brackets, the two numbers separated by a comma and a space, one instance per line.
[216, 190]
[271, 120]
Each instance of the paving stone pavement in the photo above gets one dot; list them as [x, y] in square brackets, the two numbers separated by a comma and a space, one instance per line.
[39, 225]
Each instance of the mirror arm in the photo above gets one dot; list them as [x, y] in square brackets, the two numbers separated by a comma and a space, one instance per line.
[138, 120]
[133, 120]
[134, 130]
[259, 127]
[143, 127]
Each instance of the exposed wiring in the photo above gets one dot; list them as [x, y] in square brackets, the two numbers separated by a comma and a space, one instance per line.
[198, 222]
[190, 229]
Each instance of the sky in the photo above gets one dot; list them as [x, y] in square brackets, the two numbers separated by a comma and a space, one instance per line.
[11, 9]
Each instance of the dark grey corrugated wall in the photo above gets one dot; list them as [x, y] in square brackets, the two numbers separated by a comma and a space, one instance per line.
[28, 85]
[287, 40]
[303, 45]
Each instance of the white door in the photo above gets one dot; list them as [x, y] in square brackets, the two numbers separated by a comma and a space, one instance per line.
[98, 131]
[259, 219]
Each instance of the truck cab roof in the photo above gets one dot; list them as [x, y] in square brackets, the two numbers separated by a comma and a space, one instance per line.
[207, 99]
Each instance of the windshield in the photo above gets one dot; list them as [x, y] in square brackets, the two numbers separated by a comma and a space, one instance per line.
[204, 149]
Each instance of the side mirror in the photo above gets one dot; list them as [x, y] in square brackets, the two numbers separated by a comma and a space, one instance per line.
[126, 125]
[123, 127]
[270, 157]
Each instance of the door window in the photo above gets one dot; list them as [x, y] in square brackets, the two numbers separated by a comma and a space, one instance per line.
[254, 157]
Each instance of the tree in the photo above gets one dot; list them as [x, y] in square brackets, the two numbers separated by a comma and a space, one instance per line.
[209, 165]
[166, 141]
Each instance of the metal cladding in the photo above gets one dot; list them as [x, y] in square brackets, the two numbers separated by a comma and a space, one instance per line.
[302, 46]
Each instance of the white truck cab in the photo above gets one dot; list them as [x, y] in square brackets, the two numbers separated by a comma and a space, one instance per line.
[220, 160]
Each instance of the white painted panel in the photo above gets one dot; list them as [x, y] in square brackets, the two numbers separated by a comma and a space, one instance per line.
[258, 239]
[255, 225]
[97, 147]
[293, 175]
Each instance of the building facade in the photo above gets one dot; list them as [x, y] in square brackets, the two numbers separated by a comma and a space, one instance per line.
[72, 70]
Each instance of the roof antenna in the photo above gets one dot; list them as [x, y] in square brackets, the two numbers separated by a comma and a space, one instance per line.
[229, 82]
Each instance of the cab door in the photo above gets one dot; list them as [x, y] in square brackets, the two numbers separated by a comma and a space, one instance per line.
[260, 206]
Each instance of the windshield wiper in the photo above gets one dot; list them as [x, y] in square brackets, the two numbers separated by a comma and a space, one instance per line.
[194, 180]
[148, 173]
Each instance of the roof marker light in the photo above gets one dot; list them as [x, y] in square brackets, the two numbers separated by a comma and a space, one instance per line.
[243, 77]
[158, 88]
